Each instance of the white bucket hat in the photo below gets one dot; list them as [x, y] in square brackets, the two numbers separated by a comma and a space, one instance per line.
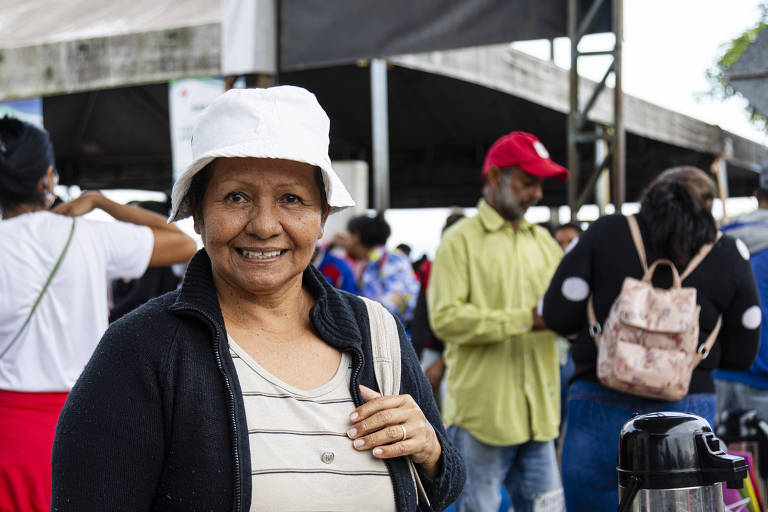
[280, 122]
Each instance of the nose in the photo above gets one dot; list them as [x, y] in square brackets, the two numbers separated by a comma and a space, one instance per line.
[264, 221]
[537, 193]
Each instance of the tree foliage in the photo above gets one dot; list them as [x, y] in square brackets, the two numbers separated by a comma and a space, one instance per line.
[731, 51]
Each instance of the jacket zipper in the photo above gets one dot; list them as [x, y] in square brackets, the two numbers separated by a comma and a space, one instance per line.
[231, 406]
[358, 402]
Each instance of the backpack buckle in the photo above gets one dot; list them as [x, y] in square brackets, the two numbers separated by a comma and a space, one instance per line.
[703, 351]
[596, 330]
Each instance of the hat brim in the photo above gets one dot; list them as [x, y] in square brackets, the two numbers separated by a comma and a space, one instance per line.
[546, 169]
[336, 193]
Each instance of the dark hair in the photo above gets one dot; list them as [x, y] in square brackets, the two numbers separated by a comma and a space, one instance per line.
[25, 155]
[200, 181]
[452, 219]
[571, 225]
[373, 230]
[196, 190]
[676, 208]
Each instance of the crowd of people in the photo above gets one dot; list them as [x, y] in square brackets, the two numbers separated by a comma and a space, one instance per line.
[260, 371]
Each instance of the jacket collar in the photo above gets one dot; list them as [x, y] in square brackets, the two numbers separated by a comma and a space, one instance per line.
[492, 221]
[332, 316]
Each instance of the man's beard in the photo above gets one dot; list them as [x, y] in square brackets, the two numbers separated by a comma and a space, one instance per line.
[509, 206]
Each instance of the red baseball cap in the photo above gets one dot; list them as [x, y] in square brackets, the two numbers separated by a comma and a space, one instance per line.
[523, 150]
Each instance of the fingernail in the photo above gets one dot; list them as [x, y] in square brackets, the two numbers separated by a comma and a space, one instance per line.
[377, 451]
[353, 416]
[358, 443]
[352, 432]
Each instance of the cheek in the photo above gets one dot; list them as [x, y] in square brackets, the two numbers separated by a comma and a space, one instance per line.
[219, 228]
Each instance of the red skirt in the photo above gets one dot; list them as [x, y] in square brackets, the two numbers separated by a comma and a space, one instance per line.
[27, 425]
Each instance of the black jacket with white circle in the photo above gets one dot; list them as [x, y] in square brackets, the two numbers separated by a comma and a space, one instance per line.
[605, 255]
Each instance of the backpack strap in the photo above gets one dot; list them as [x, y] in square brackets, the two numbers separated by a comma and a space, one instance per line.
[42, 292]
[594, 326]
[705, 347]
[699, 257]
[595, 330]
[385, 345]
[634, 229]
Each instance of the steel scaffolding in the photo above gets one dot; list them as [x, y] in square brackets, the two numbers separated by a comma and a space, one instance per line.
[579, 134]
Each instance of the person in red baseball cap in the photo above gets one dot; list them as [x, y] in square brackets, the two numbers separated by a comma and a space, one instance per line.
[513, 171]
[502, 401]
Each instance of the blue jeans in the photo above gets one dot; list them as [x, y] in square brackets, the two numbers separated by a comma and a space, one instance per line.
[591, 448]
[527, 471]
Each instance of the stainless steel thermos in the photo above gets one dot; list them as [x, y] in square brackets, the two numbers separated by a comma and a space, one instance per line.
[670, 462]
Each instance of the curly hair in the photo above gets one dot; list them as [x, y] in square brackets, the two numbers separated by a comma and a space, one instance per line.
[676, 206]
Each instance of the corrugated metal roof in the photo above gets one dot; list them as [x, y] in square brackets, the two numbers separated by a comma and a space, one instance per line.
[28, 22]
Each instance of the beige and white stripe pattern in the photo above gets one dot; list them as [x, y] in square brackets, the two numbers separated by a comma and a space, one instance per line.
[301, 457]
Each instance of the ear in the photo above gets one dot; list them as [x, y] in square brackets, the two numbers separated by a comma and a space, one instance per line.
[494, 176]
[46, 182]
[197, 224]
[323, 218]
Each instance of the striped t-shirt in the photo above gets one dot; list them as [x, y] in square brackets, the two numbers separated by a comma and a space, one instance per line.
[301, 457]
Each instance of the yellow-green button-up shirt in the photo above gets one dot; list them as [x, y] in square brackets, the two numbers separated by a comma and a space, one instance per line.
[502, 378]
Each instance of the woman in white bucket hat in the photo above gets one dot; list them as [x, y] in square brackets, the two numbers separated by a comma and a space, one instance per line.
[253, 386]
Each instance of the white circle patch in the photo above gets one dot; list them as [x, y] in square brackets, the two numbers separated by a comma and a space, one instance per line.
[751, 318]
[540, 149]
[575, 289]
[743, 250]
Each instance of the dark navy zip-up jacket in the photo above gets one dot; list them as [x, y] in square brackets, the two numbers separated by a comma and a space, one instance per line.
[156, 421]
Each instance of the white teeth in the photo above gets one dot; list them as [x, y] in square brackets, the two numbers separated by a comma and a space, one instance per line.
[260, 255]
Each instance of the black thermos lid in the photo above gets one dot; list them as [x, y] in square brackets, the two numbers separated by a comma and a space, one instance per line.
[671, 450]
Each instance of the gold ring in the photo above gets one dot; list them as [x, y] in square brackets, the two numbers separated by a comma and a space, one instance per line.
[405, 433]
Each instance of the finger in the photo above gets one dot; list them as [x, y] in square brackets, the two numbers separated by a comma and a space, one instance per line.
[375, 405]
[386, 436]
[368, 394]
[401, 449]
[378, 421]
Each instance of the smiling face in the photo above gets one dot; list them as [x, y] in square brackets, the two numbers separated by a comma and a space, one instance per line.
[260, 220]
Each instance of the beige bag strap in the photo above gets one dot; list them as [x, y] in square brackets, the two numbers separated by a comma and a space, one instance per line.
[385, 345]
[634, 229]
[699, 257]
[705, 347]
[595, 330]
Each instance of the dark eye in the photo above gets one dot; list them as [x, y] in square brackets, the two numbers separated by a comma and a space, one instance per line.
[236, 197]
[291, 198]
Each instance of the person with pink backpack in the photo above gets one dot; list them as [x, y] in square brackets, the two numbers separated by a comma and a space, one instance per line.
[643, 311]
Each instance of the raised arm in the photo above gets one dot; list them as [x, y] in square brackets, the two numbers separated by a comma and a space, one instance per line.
[171, 244]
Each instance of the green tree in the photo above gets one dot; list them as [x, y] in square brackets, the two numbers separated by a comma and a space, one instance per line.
[731, 51]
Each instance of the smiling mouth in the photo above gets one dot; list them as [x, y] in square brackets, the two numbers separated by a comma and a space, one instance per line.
[261, 255]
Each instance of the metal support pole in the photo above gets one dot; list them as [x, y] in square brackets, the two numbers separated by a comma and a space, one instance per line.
[573, 116]
[380, 134]
[602, 192]
[579, 132]
[618, 174]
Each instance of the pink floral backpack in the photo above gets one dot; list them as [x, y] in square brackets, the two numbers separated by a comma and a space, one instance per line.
[649, 342]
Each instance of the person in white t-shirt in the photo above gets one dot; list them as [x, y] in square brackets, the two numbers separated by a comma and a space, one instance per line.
[54, 274]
